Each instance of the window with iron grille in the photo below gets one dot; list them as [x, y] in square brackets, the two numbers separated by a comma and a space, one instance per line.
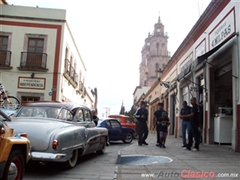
[3, 43]
[5, 55]
[35, 53]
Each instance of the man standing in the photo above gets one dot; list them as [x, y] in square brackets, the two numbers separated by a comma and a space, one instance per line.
[195, 125]
[157, 116]
[142, 117]
[95, 118]
[185, 122]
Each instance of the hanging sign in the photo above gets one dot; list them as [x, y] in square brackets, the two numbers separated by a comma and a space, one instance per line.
[223, 30]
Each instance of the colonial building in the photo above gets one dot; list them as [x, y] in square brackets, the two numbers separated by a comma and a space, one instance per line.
[39, 58]
[155, 56]
[206, 65]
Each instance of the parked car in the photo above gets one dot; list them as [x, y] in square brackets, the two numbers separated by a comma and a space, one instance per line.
[14, 151]
[116, 131]
[125, 121]
[59, 131]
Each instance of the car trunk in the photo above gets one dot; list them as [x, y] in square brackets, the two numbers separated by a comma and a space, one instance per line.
[38, 131]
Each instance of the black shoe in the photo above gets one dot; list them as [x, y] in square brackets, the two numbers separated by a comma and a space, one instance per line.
[145, 143]
[160, 145]
[157, 144]
[183, 146]
[188, 148]
[163, 146]
[139, 144]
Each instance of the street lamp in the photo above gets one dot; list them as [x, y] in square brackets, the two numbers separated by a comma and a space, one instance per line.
[165, 83]
[159, 73]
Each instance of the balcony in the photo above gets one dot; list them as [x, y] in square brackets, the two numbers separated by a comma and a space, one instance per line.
[5, 59]
[70, 74]
[33, 61]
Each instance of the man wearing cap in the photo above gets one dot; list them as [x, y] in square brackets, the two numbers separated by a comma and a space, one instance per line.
[142, 116]
[157, 116]
[163, 123]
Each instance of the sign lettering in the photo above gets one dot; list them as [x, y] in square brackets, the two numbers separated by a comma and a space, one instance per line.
[28, 83]
[222, 31]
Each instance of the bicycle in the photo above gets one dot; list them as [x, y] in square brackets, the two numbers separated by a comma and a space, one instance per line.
[6, 101]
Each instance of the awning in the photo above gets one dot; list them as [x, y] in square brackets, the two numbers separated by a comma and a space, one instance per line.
[202, 58]
[181, 75]
[198, 63]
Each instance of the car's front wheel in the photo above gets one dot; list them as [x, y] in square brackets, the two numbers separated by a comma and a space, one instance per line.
[128, 138]
[72, 161]
[15, 166]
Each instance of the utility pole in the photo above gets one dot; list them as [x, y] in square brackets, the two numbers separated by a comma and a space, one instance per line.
[107, 111]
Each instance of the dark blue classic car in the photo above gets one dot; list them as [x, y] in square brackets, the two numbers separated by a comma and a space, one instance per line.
[116, 131]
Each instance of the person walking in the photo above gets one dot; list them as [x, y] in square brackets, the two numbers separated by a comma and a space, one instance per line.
[142, 116]
[157, 116]
[185, 122]
[163, 124]
[95, 118]
[195, 125]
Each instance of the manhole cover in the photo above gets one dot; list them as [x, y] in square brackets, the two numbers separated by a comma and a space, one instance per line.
[142, 160]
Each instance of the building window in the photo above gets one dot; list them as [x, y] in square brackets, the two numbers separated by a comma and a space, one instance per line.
[35, 53]
[35, 45]
[3, 43]
[33, 56]
[157, 46]
[5, 55]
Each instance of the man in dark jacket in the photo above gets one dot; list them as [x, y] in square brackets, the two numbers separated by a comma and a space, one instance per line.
[185, 122]
[142, 117]
[195, 125]
[157, 116]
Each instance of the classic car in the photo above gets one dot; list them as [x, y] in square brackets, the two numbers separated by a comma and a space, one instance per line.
[125, 121]
[116, 131]
[59, 131]
[14, 151]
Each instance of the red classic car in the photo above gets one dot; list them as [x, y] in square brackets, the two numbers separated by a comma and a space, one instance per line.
[125, 121]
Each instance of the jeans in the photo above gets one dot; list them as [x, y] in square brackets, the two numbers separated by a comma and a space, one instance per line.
[142, 132]
[185, 127]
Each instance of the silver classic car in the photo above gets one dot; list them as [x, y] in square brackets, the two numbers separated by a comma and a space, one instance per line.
[59, 131]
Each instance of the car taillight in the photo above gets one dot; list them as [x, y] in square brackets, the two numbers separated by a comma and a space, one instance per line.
[54, 144]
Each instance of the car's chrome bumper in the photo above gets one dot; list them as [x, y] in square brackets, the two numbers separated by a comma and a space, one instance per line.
[42, 156]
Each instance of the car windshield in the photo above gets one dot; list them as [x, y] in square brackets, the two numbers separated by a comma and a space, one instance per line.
[45, 112]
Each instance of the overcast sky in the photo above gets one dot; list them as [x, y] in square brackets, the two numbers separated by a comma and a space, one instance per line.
[110, 35]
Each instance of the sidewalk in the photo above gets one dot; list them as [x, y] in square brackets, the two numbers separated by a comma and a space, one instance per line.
[210, 161]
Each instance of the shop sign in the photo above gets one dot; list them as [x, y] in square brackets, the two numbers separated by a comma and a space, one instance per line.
[223, 30]
[29, 83]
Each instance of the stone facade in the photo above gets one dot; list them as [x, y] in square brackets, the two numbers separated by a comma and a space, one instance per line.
[155, 55]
